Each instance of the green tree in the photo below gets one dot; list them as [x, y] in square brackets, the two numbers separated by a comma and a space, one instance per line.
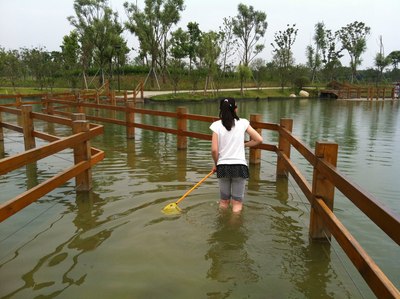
[314, 57]
[151, 26]
[395, 57]
[70, 58]
[381, 61]
[179, 49]
[209, 52]
[99, 32]
[244, 73]
[194, 35]
[228, 45]
[283, 55]
[35, 60]
[249, 26]
[353, 39]
[10, 66]
[52, 67]
[326, 41]
[258, 70]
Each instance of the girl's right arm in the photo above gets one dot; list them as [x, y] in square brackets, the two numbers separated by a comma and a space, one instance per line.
[214, 150]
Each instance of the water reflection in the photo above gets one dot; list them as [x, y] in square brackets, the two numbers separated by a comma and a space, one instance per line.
[304, 262]
[2, 150]
[230, 261]
[63, 259]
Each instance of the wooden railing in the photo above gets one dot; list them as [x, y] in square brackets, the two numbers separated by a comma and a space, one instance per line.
[348, 91]
[84, 155]
[319, 192]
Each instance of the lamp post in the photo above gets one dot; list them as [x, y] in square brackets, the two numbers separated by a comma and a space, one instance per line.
[118, 48]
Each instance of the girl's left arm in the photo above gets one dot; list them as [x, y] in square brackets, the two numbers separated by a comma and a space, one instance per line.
[255, 137]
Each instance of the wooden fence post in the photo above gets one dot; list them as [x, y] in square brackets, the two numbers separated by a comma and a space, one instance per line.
[78, 116]
[112, 98]
[130, 119]
[80, 108]
[182, 126]
[255, 154]
[18, 101]
[27, 127]
[1, 129]
[49, 106]
[284, 146]
[323, 188]
[82, 152]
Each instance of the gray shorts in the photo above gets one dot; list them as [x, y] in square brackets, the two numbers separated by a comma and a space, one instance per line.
[232, 188]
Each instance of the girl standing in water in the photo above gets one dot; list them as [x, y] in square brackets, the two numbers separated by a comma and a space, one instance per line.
[228, 153]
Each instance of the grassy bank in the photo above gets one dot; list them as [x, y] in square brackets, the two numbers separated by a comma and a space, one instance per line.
[30, 90]
[201, 96]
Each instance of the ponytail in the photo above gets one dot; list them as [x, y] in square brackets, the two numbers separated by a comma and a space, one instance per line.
[227, 113]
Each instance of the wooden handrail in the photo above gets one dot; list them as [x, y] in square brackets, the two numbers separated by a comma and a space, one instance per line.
[367, 203]
[21, 201]
[16, 161]
[373, 275]
[78, 170]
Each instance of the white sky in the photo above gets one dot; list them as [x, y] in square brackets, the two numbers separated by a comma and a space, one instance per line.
[32, 23]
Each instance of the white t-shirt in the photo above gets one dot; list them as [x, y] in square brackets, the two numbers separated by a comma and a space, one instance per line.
[231, 143]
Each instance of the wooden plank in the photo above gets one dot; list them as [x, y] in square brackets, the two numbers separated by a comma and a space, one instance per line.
[14, 162]
[155, 128]
[82, 152]
[255, 152]
[12, 127]
[45, 136]
[203, 118]
[27, 127]
[367, 203]
[267, 126]
[304, 150]
[373, 275]
[10, 110]
[181, 123]
[322, 187]
[301, 181]
[197, 135]
[52, 119]
[268, 147]
[286, 125]
[16, 204]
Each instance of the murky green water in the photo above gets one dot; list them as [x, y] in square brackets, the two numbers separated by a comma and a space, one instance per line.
[114, 242]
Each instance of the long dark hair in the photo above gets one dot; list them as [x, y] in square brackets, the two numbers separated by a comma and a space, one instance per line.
[227, 112]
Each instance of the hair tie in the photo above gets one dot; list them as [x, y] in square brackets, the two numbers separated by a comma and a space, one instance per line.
[227, 101]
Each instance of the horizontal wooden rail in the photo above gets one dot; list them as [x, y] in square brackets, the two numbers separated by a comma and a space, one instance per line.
[52, 119]
[11, 127]
[301, 181]
[10, 110]
[373, 275]
[80, 170]
[14, 162]
[367, 203]
[16, 204]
